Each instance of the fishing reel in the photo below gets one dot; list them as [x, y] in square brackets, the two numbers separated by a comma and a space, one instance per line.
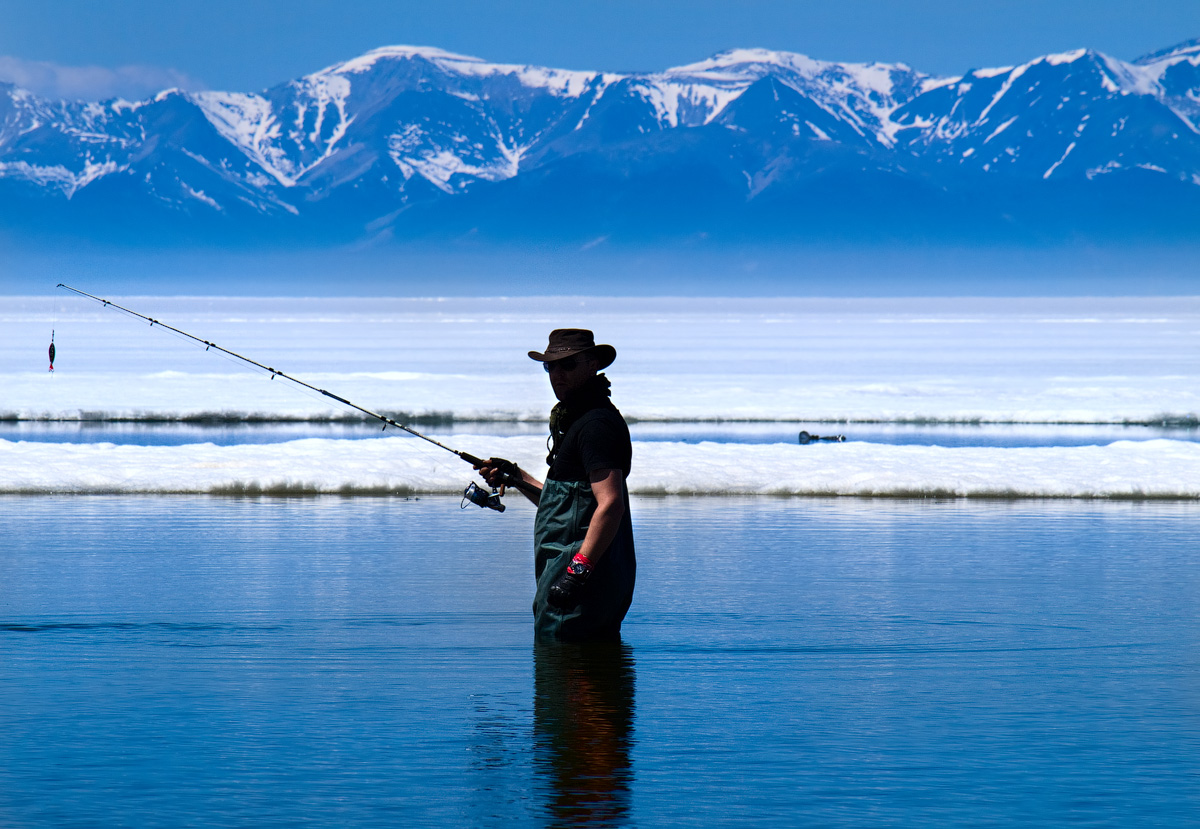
[478, 496]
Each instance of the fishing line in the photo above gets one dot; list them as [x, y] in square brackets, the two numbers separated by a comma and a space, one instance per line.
[273, 372]
[220, 352]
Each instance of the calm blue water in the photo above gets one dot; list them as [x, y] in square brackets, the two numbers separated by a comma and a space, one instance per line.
[199, 661]
[992, 434]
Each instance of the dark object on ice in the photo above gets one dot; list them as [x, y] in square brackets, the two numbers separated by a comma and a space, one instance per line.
[481, 498]
[52, 351]
[806, 438]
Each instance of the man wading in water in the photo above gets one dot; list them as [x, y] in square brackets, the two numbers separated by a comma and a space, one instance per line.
[583, 538]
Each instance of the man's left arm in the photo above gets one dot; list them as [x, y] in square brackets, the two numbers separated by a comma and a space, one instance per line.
[608, 489]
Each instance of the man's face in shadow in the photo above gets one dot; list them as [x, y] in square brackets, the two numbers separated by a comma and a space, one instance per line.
[570, 374]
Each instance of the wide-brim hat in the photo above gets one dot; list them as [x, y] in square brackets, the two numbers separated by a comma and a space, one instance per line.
[567, 342]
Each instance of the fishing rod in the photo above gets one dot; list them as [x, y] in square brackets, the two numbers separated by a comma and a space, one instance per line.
[473, 493]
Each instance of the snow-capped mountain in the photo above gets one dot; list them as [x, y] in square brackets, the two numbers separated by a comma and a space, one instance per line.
[1078, 114]
[407, 140]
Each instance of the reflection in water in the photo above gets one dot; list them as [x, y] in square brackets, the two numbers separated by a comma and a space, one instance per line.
[583, 723]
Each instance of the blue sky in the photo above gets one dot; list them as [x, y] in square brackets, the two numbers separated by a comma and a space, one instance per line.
[88, 48]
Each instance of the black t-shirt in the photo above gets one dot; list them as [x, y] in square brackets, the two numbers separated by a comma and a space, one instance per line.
[599, 439]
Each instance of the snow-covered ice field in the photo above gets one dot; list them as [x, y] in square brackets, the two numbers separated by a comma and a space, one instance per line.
[1068, 360]
[1126, 469]
[1021, 360]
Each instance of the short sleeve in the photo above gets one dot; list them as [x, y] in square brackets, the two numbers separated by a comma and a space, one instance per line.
[603, 445]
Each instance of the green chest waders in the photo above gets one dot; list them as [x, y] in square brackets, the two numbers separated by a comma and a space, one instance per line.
[564, 511]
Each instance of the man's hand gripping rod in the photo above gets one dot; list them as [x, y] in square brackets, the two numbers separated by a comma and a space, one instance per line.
[387, 421]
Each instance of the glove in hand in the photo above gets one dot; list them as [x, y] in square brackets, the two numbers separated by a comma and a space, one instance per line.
[566, 592]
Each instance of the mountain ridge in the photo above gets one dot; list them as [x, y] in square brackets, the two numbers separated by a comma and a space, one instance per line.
[418, 142]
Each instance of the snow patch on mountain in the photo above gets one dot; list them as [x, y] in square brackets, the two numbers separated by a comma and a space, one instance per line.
[748, 65]
[1187, 49]
[679, 104]
[54, 175]
[1130, 79]
[251, 123]
[1012, 78]
[451, 171]
[1064, 57]
[200, 196]
[862, 95]
[57, 176]
[563, 82]
[1001, 128]
[1056, 164]
[248, 122]
[323, 92]
[994, 72]
[366, 62]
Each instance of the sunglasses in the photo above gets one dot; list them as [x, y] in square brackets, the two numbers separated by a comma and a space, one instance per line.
[566, 364]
